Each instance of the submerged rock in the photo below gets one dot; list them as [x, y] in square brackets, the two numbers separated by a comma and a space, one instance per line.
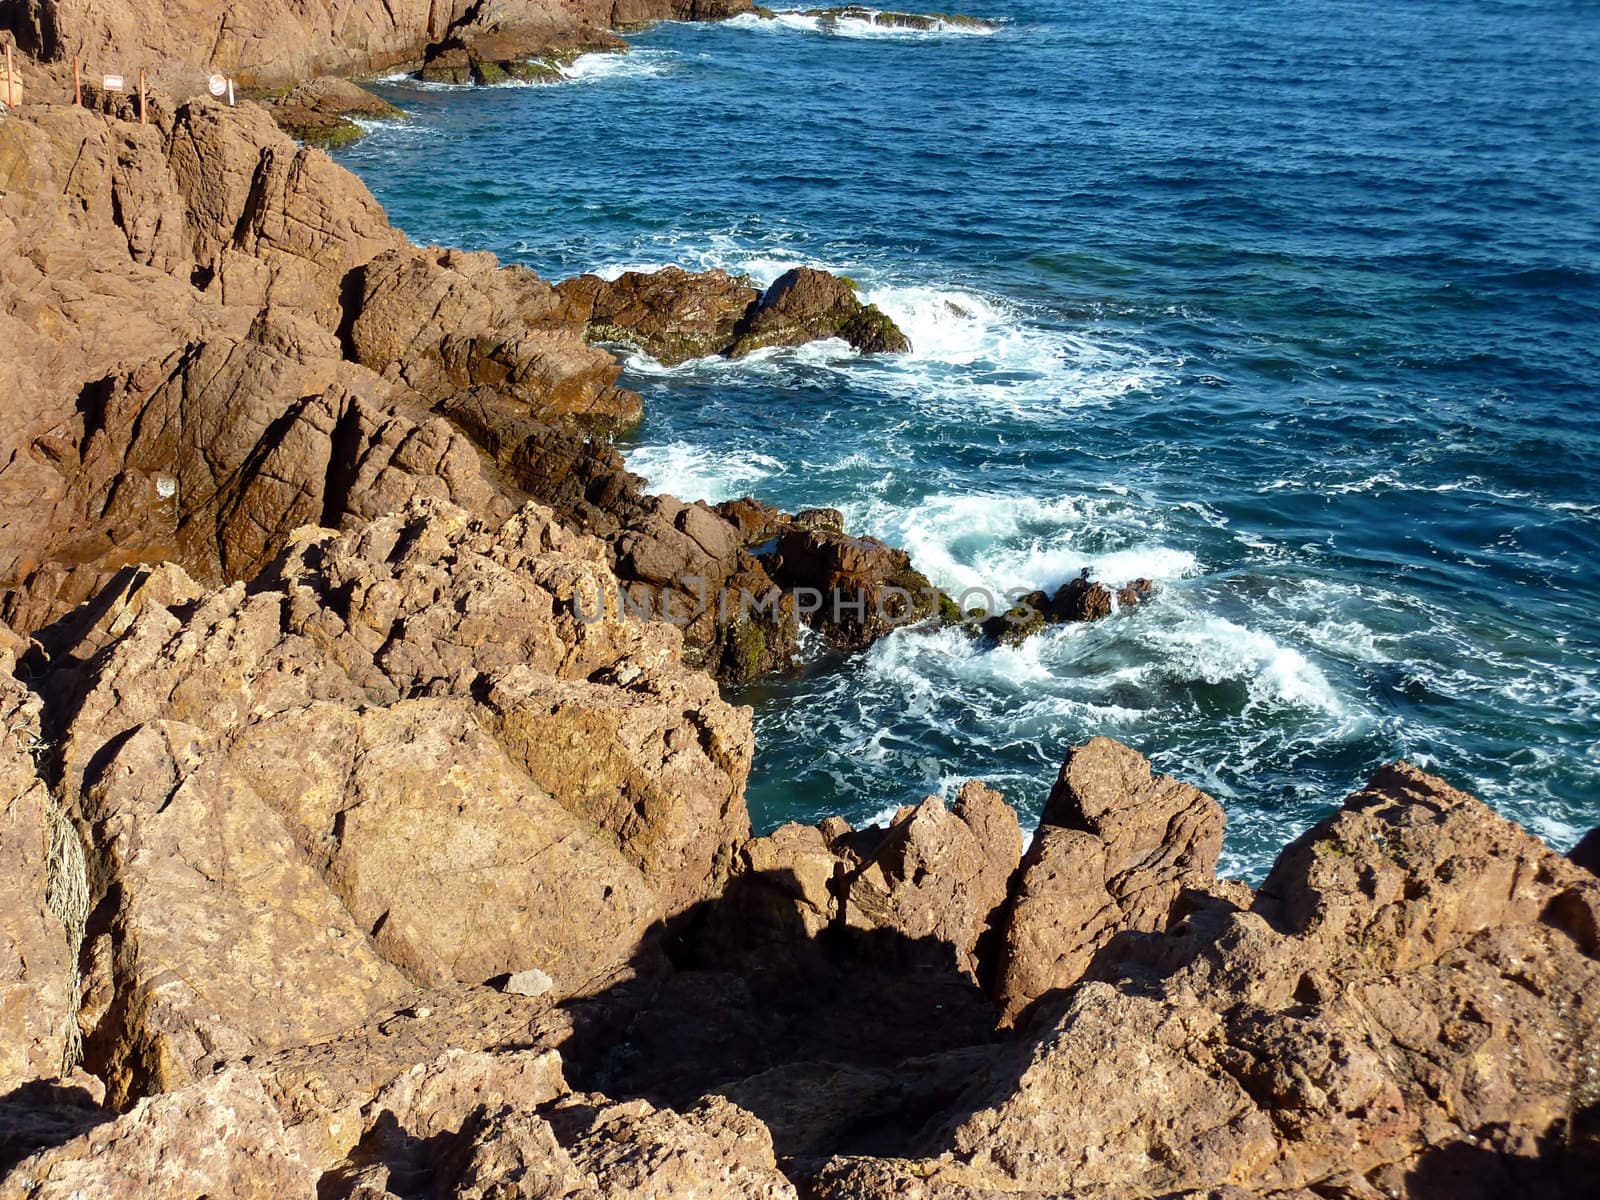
[1081, 599]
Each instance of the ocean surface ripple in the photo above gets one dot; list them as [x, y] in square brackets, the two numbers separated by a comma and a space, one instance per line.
[1294, 308]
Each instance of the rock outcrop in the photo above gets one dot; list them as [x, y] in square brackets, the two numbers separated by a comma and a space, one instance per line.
[231, 342]
[806, 304]
[1115, 851]
[922, 22]
[319, 111]
[1407, 1006]
[674, 315]
[402, 757]
[40, 880]
[1077, 600]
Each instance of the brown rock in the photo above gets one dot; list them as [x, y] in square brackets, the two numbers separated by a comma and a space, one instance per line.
[1135, 593]
[807, 304]
[1081, 600]
[39, 858]
[855, 589]
[941, 874]
[318, 111]
[265, 739]
[212, 924]
[1343, 1027]
[442, 321]
[193, 290]
[1116, 847]
[672, 315]
[715, 1149]
[264, 44]
[220, 1137]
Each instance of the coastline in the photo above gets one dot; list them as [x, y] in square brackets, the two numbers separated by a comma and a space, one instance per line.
[401, 873]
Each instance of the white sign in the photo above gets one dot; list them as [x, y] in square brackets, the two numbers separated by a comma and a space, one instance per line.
[111, 83]
[219, 85]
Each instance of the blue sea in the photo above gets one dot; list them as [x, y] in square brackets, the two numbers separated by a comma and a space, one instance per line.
[1291, 307]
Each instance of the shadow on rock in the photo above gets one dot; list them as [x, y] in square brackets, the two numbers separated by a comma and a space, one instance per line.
[841, 1039]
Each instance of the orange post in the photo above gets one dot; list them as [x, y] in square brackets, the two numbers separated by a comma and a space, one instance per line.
[141, 97]
[77, 81]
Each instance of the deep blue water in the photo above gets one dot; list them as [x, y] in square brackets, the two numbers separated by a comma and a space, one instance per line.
[1295, 307]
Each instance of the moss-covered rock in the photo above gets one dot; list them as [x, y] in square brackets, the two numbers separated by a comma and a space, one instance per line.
[805, 305]
[319, 111]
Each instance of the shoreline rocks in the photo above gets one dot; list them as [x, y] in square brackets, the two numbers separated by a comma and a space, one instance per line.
[1076, 601]
[1416, 980]
[361, 843]
[246, 345]
[674, 315]
[923, 22]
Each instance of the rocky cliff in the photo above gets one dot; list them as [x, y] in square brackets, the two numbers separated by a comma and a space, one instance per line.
[228, 341]
[361, 840]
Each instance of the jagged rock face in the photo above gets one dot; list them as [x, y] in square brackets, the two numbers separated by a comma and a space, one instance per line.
[36, 975]
[927, 888]
[445, 321]
[478, 1124]
[1116, 847]
[405, 756]
[220, 1137]
[858, 588]
[1407, 1008]
[1417, 974]
[304, 364]
[191, 291]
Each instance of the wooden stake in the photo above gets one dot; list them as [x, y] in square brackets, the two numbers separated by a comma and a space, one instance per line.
[141, 97]
[11, 79]
[77, 81]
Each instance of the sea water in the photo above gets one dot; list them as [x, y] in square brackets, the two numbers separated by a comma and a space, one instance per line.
[1293, 308]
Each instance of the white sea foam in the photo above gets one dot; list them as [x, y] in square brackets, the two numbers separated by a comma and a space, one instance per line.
[973, 356]
[697, 473]
[798, 21]
[1000, 541]
[636, 64]
[586, 68]
[1214, 650]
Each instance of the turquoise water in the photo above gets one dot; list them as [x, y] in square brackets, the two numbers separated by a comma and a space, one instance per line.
[1293, 307]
